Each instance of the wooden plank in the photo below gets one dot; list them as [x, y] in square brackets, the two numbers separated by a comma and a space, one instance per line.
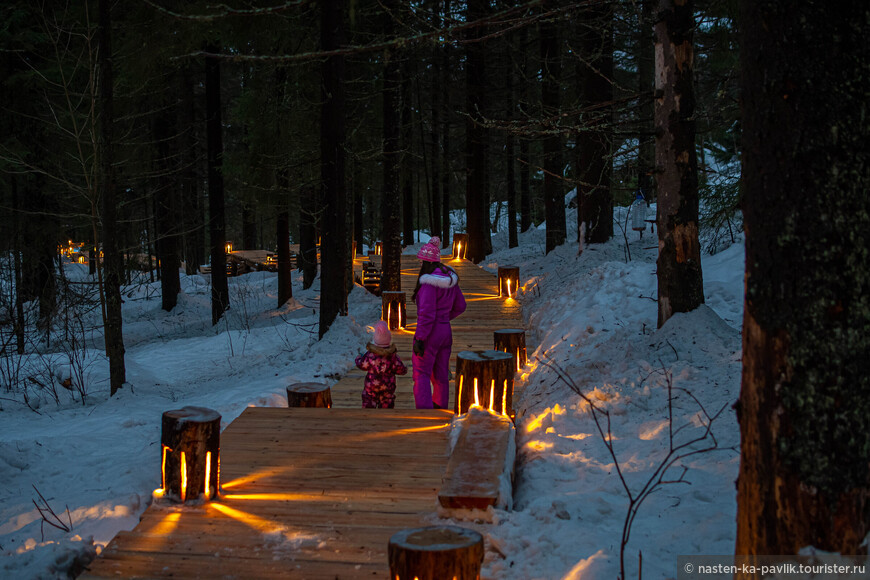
[477, 462]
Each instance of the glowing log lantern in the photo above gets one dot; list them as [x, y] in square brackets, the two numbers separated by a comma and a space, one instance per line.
[436, 552]
[190, 463]
[484, 378]
[309, 395]
[379, 248]
[512, 341]
[228, 247]
[460, 246]
[393, 309]
[508, 280]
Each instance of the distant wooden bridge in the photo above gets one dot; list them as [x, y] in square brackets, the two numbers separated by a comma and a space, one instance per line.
[316, 493]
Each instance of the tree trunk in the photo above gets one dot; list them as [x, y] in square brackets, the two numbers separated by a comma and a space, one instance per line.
[436, 552]
[680, 283]
[358, 193]
[333, 286]
[595, 203]
[391, 262]
[220, 293]
[285, 271]
[509, 166]
[554, 198]
[317, 395]
[192, 239]
[475, 137]
[308, 242]
[113, 261]
[249, 228]
[166, 212]
[407, 165]
[446, 168]
[646, 72]
[804, 407]
[525, 167]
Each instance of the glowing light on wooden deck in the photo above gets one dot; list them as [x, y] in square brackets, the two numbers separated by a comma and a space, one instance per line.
[183, 477]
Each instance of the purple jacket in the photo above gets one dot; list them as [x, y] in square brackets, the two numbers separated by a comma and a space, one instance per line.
[439, 301]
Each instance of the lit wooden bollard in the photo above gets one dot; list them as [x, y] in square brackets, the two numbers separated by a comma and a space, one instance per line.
[513, 342]
[508, 281]
[190, 465]
[393, 309]
[379, 248]
[309, 395]
[484, 378]
[460, 246]
[436, 553]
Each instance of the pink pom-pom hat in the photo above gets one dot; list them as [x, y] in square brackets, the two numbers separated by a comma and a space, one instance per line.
[431, 250]
[383, 337]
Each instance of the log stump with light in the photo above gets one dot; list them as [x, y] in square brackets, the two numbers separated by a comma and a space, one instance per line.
[190, 441]
[460, 246]
[309, 395]
[393, 309]
[484, 378]
[512, 341]
[508, 281]
[379, 248]
[435, 553]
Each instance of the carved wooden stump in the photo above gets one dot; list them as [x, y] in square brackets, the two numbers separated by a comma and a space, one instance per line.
[484, 378]
[512, 341]
[508, 281]
[436, 553]
[309, 395]
[460, 245]
[393, 309]
[190, 439]
[379, 248]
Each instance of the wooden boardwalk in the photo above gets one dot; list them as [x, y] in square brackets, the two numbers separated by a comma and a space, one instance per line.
[315, 493]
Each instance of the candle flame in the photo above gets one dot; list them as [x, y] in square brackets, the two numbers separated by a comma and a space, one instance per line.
[183, 477]
[207, 471]
[163, 467]
[492, 395]
[459, 394]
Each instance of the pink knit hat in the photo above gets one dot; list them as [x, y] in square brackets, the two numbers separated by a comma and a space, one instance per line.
[431, 250]
[383, 336]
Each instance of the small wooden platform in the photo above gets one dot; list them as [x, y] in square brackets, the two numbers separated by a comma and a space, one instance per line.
[308, 493]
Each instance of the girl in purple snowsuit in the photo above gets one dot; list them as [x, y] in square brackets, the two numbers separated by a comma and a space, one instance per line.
[439, 300]
[382, 364]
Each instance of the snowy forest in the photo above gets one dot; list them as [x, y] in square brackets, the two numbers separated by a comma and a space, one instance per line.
[188, 191]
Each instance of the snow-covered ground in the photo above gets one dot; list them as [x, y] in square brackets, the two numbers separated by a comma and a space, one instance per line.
[594, 316]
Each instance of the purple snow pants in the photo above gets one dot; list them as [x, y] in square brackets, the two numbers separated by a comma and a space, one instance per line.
[434, 367]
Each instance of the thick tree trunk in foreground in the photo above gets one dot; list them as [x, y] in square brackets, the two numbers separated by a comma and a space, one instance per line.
[220, 293]
[166, 214]
[804, 406]
[680, 284]
[113, 261]
[333, 286]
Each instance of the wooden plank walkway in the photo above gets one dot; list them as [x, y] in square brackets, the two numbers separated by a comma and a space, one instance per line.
[315, 493]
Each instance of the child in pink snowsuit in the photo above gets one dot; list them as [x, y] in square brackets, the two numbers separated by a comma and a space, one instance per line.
[439, 300]
[382, 364]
